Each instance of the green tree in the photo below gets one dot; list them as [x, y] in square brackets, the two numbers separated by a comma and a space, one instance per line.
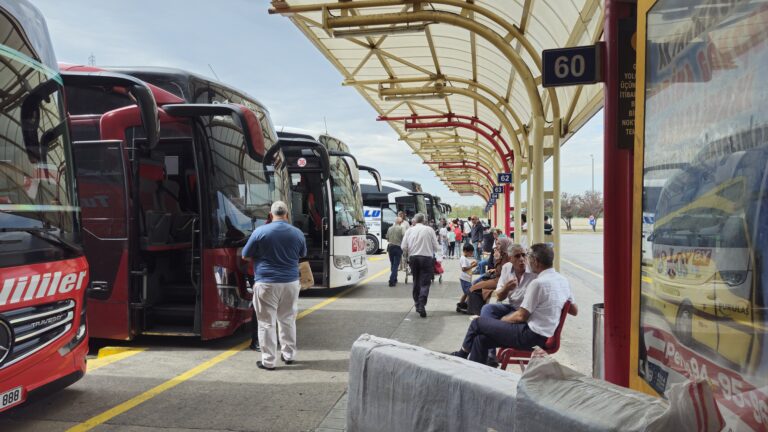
[464, 211]
[569, 208]
[591, 204]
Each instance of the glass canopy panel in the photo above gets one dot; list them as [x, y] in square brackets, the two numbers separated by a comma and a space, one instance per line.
[462, 58]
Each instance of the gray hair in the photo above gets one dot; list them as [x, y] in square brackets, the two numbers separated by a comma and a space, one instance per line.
[544, 254]
[279, 208]
[419, 218]
[514, 246]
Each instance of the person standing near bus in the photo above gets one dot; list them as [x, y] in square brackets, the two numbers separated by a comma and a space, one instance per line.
[275, 249]
[405, 224]
[395, 235]
[420, 244]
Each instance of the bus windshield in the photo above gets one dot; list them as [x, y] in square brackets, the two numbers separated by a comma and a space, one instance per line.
[347, 201]
[241, 189]
[36, 185]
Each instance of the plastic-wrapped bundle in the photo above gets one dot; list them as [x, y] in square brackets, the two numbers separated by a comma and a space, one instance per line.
[551, 397]
[399, 387]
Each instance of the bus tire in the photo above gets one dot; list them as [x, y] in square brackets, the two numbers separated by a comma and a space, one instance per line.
[684, 324]
[371, 244]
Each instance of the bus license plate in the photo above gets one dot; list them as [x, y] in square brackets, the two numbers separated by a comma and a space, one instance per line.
[11, 397]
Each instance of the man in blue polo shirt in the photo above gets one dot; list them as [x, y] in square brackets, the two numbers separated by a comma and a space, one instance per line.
[275, 249]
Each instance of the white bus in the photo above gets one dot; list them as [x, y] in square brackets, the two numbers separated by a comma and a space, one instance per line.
[326, 203]
[381, 207]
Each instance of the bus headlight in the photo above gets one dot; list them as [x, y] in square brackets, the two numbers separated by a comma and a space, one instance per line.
[79, 336]
[341, 261]
[733, 277]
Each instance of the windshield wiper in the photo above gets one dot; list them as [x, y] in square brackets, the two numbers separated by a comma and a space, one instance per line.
[45, 234]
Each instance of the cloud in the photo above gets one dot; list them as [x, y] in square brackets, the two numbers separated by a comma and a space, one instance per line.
[269, 58]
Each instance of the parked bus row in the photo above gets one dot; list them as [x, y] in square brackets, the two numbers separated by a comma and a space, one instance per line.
[133, 190]
[382, 205]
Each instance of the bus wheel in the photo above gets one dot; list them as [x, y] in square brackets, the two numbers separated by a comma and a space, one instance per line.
[371, 244]
[684, 324]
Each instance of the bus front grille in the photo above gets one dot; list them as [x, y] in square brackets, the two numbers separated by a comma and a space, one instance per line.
[36, 327]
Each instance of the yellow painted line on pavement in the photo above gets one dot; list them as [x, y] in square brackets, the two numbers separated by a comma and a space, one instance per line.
[326, 302]
[581, 268]
[202, 367]
[109, 355]
[646, 279]
[378, 258]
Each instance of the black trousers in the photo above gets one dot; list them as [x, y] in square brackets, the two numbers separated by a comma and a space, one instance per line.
[475, 302]
[485, 333]
[422, 270]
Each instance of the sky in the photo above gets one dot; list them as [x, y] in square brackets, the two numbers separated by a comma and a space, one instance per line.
[269, 58]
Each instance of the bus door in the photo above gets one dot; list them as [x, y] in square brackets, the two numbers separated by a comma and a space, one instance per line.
[373, 244]
[178, 293]
[308, 165]
[167, 295]
[99, 150]
[401, 201]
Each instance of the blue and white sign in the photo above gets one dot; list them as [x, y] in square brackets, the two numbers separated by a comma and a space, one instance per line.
[571, 66]
[494, 196]
[505, 177]
[498, 189]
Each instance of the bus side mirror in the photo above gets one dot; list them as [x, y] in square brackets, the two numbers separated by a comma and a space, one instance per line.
[137, 89]
[354, 171]
[374, 173]
[30, 120]
[249, 123]
[276, 154]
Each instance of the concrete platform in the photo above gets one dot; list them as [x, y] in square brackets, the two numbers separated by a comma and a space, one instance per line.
[234, 395]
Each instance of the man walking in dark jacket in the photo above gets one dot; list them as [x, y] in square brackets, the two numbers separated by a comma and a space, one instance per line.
[477, 237]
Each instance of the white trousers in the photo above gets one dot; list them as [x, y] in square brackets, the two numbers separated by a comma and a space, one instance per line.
[445, 248]
[276, 303]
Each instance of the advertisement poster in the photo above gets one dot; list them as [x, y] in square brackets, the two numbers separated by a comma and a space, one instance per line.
[705, 204]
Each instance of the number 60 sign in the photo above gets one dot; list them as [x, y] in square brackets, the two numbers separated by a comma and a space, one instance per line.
[571, 66]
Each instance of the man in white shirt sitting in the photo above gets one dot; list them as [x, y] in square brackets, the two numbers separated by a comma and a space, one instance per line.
[512, 284]
[533, 322]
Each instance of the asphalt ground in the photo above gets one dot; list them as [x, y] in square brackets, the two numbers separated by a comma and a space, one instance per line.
[182, 384]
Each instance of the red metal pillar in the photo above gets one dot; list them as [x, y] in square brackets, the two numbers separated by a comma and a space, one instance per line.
[617, 222]
[507, 207]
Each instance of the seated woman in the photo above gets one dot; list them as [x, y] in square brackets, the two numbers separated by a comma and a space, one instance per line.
[482, 289]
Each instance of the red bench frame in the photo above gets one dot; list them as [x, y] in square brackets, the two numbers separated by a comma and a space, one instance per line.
[506, 356]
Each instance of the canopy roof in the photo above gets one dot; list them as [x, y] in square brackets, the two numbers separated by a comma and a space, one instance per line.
[459, 81]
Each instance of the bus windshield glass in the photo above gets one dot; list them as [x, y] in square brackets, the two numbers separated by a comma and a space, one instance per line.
[241, 189]
[36, 185]
[347, 202]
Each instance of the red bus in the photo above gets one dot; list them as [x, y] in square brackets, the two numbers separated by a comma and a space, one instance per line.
[163, 223]
[43, 272]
